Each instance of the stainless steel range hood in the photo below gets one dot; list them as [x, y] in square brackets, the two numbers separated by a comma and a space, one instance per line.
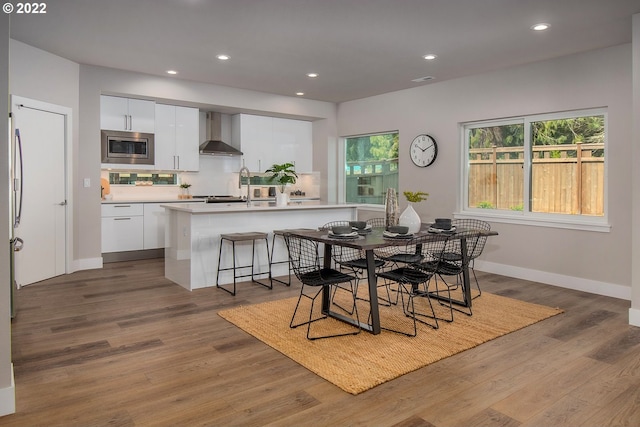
[214, 146]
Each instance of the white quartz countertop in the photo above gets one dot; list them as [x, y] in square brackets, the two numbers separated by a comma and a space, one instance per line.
[206, 208]
[160, 200]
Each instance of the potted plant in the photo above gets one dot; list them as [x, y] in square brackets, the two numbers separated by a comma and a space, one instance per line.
[185, 190]
[282, 175]
[410, 217]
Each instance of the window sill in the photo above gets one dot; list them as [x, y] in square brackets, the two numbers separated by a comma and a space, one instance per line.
[600, 225]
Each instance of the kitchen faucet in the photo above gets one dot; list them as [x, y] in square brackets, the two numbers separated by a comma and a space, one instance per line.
[243, 169]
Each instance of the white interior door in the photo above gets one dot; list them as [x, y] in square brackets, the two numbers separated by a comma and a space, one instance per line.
[44, 206]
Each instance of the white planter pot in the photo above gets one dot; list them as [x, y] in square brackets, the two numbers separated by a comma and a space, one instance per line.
[282, 199]
[411, 219]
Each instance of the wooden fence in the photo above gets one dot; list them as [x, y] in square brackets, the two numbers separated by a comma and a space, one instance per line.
[566, 179]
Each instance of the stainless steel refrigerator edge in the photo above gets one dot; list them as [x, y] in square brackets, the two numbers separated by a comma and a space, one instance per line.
[16, 171]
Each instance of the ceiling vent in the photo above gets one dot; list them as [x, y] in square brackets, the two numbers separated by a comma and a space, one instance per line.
[422, 79]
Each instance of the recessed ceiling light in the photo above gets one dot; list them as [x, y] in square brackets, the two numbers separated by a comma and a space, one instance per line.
[540, 27]
[300, 93]
[312, 75]
[222, 57]
[430, 56]
[172, 72]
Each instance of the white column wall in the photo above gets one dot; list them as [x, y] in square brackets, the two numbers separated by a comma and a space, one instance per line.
[7, 388]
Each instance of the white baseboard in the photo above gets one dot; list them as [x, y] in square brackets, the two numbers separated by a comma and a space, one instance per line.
[634, 317]
[569, 282]
[8, 397]
[86, 264]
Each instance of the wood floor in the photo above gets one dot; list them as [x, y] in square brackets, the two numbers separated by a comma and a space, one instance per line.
[123, 346]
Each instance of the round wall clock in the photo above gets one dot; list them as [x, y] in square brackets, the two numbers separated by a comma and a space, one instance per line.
[423, 150]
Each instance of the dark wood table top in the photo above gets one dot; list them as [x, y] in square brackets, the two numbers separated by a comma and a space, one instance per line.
[374, 239]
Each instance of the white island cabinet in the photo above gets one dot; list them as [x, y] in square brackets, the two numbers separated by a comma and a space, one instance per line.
[192, 237]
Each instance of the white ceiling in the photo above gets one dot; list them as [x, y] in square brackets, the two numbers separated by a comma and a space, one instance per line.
[359, 48]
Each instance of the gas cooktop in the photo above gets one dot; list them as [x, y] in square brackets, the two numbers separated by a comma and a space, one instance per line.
[221, 199]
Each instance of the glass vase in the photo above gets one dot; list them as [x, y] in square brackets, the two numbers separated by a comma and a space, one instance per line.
[391, 208]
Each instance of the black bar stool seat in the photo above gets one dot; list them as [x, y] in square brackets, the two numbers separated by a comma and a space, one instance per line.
[252, 237]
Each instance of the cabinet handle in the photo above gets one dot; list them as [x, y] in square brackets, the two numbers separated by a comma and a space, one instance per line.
[130, 123]
[178, 159]
[122, 219]
[122, 206]
[126, 122]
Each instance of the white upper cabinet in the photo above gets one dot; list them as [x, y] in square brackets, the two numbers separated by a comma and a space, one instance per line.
[292, 140]
[177, 138]
[127, 114]
[268, 140]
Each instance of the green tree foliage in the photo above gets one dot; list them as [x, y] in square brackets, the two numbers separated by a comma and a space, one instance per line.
[550, 132]
[569, 131]
[374, 147]
[500, 136]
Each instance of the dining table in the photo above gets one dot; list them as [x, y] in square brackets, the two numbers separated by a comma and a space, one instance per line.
[370, 240]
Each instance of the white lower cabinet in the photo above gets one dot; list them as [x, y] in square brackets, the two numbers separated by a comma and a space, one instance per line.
[154, 220]
[122, 227]
[133, 226]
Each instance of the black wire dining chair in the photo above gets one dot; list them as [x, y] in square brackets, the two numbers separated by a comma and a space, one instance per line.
[305, 262]
[413, 281]
[448, 261]
[474, 224]
[351, 259]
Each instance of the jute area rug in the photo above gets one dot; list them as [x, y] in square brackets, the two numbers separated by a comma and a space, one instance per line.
[357, 363]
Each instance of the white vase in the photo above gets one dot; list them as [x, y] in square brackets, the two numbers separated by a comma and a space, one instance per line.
[282, 199]
[411, 219]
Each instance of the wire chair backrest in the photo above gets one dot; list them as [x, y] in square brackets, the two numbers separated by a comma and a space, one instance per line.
[304, 256]
[376, 222]
[341, 254]
[432, 251]
[474, 224]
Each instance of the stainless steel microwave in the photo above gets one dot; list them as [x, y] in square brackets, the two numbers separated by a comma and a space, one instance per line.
[128, 147]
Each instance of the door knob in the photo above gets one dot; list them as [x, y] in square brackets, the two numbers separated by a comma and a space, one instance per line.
[64, 203]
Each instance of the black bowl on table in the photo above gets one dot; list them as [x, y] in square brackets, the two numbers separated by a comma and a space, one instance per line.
[358, 224]
[340, 230]
[442, 224]
[398, 229]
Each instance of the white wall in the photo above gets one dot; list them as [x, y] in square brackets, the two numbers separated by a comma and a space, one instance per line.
[39, 75]
[7, 389]
[593, 261]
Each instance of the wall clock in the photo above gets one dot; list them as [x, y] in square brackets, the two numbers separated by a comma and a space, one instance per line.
[423, 150]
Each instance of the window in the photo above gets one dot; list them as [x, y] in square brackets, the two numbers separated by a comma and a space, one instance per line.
[371, 166]
[143, 178]
[547, 167]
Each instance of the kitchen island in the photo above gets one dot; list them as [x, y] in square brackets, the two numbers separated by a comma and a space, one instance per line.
[192, 236]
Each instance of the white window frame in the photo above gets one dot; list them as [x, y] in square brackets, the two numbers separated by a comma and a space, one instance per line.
[525, 217]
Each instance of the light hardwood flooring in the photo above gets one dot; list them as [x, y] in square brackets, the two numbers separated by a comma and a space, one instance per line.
[124, 346]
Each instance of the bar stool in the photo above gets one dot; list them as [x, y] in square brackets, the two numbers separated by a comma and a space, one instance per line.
[280, 234]
[243, 237]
